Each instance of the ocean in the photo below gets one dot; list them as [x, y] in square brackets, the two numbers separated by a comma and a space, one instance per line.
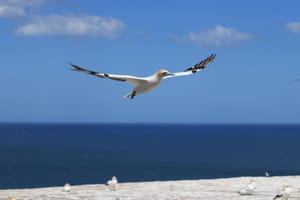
[42, 155]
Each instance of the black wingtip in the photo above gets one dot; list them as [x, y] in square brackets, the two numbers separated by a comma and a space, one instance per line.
[76, 68]
[73, 67]
[213, 56]
[202, 64]
[81, 69]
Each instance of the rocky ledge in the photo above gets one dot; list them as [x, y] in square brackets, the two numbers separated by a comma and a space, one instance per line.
[208, 189]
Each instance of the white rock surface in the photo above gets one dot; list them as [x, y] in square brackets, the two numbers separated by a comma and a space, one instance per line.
[207, 189]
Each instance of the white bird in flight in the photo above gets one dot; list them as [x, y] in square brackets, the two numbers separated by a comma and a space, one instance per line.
[145, 84]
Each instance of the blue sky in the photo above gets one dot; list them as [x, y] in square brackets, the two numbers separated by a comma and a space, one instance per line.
[253, 79]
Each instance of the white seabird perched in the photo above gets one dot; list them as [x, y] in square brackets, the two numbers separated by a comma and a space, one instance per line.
[145, 84]
[112, 184]
[284, 194]
[249, 190]
[67, 187]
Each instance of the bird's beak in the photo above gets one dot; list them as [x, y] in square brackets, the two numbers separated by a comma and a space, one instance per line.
[169, 74]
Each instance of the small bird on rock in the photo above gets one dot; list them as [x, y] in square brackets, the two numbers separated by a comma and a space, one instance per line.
[249, 189]
[284, 194]
[67, 187]
[112, 184]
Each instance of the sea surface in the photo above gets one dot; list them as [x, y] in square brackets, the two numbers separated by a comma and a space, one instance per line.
[42, 155]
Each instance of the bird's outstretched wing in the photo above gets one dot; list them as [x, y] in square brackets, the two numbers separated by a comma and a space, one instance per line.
[196, 68]
[131, 79]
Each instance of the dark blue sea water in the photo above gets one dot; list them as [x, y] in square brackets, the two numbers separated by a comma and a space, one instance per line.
[38, 155]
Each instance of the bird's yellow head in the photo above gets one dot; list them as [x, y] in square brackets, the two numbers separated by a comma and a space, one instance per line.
[162, 73]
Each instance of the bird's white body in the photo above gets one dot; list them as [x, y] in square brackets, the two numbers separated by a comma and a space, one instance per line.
[284, 194]
[112, 184]
[67, 187]
[145, 84]
[249, 190]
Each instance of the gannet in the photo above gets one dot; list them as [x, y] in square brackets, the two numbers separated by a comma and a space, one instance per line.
[145, 84]
[284, 194]
[249, 190]
[112, 184]
[67, 187]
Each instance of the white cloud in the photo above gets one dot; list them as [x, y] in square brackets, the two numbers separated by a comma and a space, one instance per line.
[219, 36]
[11, 11]
[293, 27]
[16, 8]
[71, 25]
[23, 2]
